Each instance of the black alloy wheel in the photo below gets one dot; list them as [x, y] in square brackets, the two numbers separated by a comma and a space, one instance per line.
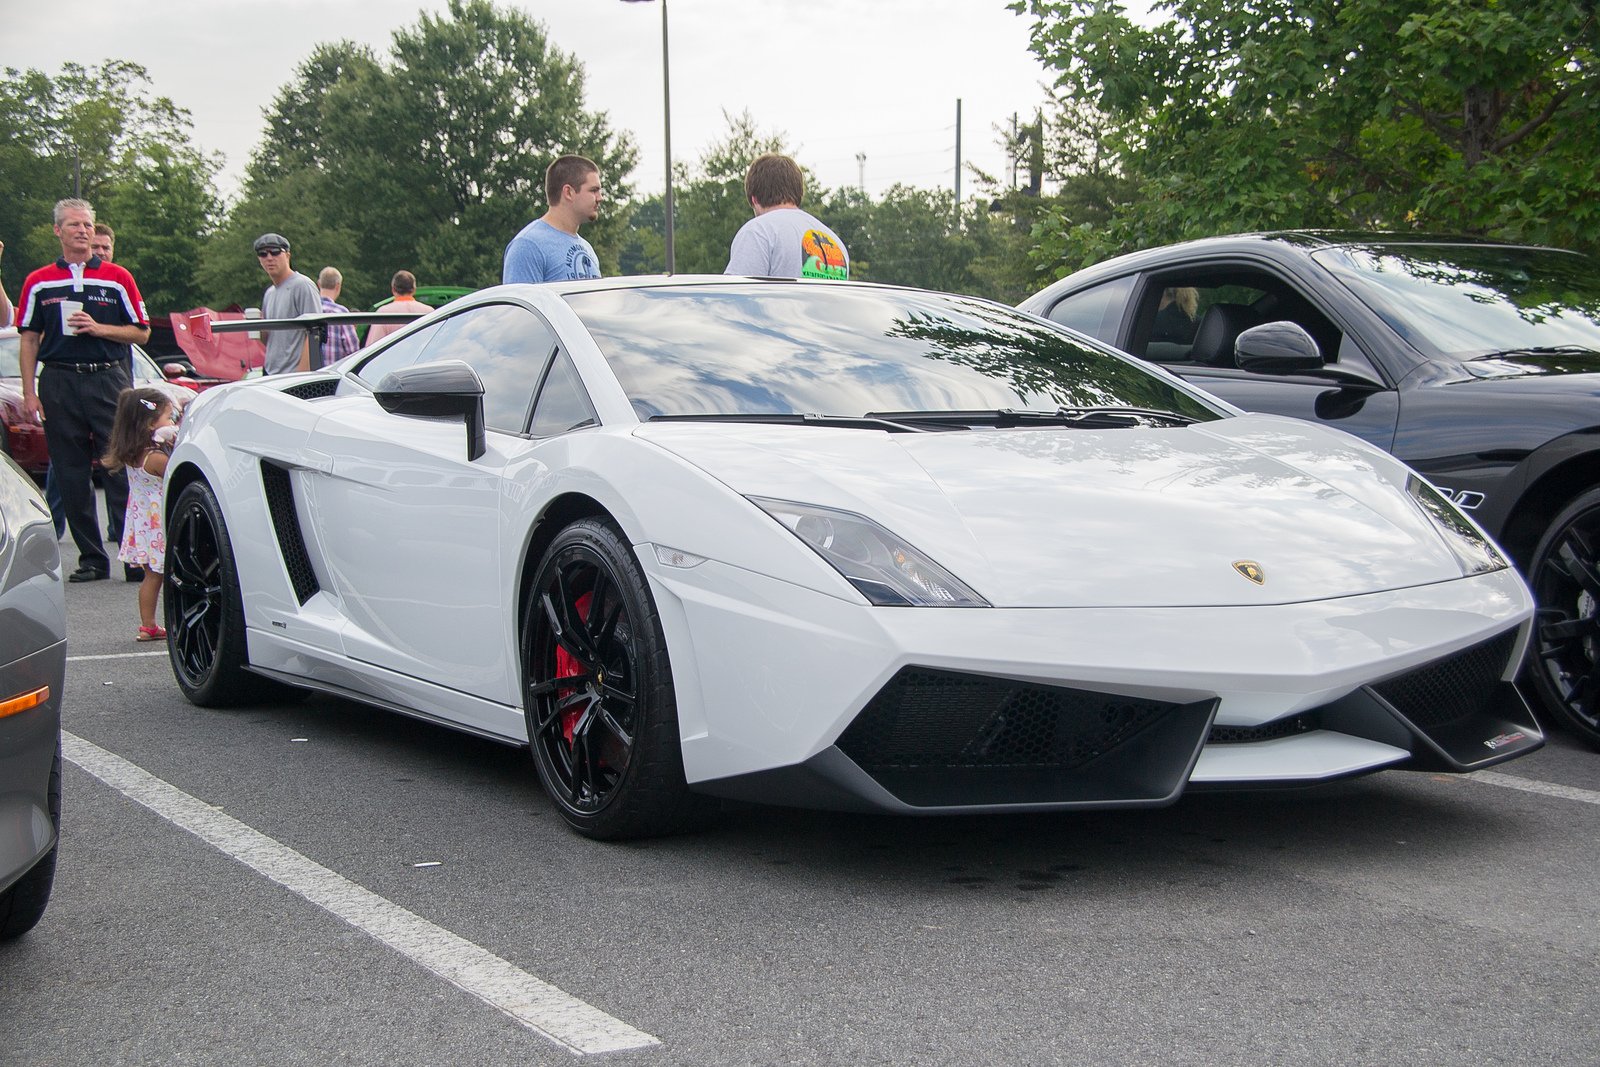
[204, 611]
[1565, 577]
[602, 720]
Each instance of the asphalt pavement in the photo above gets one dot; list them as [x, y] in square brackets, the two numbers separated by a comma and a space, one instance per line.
[1399, 918]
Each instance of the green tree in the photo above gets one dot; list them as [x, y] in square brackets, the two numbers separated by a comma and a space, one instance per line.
[709, 203]
[1475, 116]
[429, 160]
[128, 153]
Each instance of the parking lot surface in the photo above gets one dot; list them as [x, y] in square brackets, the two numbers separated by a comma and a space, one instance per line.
[319, 882]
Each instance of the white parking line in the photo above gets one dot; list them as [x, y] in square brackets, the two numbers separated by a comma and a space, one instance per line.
[541, 1007]
[118, 655]
[1530, 785]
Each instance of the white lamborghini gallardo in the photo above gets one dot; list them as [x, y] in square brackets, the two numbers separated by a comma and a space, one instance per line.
[835, 545]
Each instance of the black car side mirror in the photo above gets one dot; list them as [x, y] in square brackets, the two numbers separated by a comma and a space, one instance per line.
[1277, 348]
[447, 388]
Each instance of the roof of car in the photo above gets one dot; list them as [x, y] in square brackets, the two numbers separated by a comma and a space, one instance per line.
[1300, 241]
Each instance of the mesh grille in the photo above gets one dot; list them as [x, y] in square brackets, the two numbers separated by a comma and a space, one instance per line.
[1453, 688]
[286, 524]
[927, 718]
[1271, 731]
[313, 390]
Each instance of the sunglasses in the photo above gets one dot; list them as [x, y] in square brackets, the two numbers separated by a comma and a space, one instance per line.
[266, 252]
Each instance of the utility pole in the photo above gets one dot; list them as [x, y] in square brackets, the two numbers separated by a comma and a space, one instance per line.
[1015, 150]
[958, 161]
[861, 172]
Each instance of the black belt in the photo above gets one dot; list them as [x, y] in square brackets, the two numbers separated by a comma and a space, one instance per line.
[86, 368]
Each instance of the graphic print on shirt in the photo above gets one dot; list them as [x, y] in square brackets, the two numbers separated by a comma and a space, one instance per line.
[823, 256]
[580, 264]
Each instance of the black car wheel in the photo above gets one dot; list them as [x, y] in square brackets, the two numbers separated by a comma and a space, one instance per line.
[602, 719]
[204, 612]
[1565, 577]
[22, 906]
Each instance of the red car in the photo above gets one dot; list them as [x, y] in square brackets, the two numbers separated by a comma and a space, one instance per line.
[23, 438]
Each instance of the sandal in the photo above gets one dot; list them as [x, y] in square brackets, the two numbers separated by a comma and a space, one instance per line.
[151, 633]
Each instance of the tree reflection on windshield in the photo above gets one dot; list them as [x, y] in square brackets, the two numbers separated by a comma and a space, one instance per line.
[1470, 300]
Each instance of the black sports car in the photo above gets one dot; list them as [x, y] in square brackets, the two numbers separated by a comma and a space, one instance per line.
[1476, 363]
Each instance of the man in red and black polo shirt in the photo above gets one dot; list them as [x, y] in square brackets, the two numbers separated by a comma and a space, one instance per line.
[77, 318]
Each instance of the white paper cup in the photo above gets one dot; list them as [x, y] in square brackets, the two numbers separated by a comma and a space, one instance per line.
[253, 313]
[69, 308]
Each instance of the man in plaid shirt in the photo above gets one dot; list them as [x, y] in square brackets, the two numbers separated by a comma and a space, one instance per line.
[341, 340]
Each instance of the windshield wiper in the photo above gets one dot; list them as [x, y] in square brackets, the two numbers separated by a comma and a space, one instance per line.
[1005, 418]
[848, 422]
[1540, 350]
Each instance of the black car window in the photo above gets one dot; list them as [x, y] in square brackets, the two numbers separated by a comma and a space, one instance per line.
[1097, 311]
[563, 403]
[397, 355]
[508, 346]
[1171, 322]
[846, 350]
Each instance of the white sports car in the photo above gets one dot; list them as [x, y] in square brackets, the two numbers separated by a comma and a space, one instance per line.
[833, 545]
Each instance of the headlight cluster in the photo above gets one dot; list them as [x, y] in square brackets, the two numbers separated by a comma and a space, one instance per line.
[886, 570]
[1475, 552]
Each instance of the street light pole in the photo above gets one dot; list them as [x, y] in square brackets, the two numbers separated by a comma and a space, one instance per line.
[666, 111]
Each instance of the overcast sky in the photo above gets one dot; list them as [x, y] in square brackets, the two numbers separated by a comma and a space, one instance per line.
[837, 77]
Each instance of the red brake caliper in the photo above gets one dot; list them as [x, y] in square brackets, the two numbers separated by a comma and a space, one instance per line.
[567, 666]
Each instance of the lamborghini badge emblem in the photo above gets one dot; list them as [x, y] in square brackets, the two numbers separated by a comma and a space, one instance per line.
[1251, 570]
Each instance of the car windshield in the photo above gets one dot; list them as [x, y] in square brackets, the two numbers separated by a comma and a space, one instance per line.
[1470, 301]
[764, 349]
[10, 357]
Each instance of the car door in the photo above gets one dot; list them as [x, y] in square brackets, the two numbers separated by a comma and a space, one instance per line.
[1187, 317]
[415, 530]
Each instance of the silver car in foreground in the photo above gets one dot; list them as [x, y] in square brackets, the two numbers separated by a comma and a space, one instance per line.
[33, 665]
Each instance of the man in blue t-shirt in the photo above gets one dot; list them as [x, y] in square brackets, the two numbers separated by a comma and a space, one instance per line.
[549, 249]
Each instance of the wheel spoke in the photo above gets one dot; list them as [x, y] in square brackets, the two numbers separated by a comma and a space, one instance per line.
[1565, 631]
[565, 681]
[1577, 561]
[566, 635]
[617, 729]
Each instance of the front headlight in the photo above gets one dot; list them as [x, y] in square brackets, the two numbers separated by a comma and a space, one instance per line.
[884, 568]
[1475, 552]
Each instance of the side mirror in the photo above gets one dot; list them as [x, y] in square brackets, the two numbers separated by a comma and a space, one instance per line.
[171, 370]
[448, 388]
[1277, 348]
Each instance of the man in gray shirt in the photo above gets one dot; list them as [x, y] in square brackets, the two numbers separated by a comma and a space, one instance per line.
[783, 241]
[289, 296]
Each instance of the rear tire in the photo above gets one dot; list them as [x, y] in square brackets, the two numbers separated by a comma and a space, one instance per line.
[1565, 656]
[204, 611]
[22, 906]
[602, 715]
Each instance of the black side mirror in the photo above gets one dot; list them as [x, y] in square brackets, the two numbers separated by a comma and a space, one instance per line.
[1277, 348]
[447, 388]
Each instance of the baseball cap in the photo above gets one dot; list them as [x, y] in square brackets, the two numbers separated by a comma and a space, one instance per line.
[272, 240]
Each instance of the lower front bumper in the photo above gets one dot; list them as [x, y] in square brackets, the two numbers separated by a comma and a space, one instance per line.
[937, 741]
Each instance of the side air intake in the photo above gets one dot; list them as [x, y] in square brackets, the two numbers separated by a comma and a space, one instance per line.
[286, 524]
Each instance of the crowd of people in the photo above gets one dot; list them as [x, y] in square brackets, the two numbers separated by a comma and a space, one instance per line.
[77, 318]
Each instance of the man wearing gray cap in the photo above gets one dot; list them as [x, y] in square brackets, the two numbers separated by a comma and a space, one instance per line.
[290, 295]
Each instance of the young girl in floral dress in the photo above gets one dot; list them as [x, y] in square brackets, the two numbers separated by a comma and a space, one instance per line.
[141, 439]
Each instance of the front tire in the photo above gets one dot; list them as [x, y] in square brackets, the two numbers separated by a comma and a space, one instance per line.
[602, 716]
[204, 611]
[1565, 578]
[22, 906]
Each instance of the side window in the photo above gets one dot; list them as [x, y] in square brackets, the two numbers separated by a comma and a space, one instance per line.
[563, 403]
[402, 353]
[508, 347]
[1096, 312]
[1195, 316]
